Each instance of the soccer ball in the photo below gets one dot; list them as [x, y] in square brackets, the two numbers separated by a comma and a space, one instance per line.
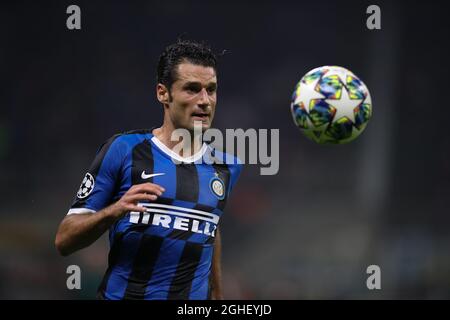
[331, 105]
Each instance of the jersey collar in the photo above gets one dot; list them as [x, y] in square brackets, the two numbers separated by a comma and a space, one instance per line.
[169, 152]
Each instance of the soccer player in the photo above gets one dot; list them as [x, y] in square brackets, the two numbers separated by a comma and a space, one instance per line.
[161, 207]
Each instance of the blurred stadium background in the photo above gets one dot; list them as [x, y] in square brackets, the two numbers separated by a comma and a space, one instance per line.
[307, 233]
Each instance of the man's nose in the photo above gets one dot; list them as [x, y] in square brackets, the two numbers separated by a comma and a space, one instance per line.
[204, 98]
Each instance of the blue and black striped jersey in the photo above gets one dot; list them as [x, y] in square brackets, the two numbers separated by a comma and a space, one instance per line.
[165, 252]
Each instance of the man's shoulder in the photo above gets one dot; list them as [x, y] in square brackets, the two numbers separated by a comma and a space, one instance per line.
[127, 140]
[137, 132]
[132, 136]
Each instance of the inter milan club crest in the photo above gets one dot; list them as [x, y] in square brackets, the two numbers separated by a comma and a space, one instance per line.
[217, 187]
[86, 186]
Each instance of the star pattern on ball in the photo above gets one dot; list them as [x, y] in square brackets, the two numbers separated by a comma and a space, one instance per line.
[306, 93]
[344, 106]
[317, 131]
[340, 73]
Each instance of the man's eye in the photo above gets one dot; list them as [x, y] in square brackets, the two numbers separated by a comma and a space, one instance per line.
[211, 90]
[192, 89]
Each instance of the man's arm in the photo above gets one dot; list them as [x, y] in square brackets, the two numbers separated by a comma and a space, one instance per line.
[216, 290]
[78, 231]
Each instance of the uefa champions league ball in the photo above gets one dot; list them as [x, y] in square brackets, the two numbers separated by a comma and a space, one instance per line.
[331, 105]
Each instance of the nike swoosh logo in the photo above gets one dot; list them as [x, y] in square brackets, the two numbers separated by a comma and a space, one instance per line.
[147, 176]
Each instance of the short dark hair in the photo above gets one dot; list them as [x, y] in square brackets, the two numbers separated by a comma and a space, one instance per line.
[183, 50]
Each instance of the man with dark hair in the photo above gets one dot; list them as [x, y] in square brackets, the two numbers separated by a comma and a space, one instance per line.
[162, 207]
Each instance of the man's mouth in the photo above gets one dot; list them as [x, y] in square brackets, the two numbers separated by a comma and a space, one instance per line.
[200, 115]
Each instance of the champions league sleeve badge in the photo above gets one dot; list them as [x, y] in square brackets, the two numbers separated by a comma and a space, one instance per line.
[86, 186]
[217, 187]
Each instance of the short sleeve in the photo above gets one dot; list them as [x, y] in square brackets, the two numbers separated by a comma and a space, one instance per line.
[99, 183]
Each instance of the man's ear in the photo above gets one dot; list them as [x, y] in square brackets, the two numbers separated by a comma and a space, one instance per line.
[162, 93]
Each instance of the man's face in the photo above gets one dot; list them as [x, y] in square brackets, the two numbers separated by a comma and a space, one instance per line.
[193, 96]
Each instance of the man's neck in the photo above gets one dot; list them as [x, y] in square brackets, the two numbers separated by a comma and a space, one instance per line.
[164, 134]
